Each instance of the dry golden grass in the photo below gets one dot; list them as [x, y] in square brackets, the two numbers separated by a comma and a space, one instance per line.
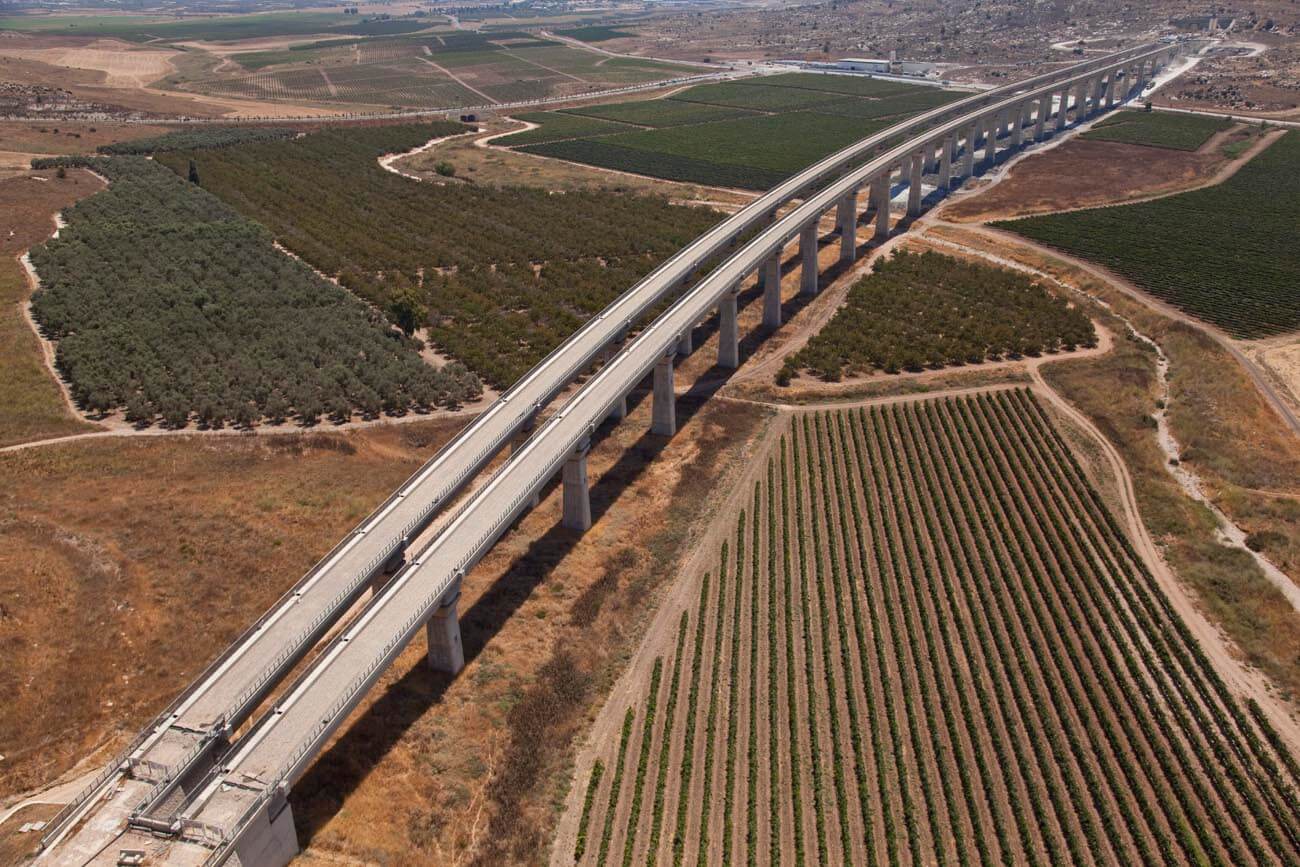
[31, 404]
[127, 564]
[53, 138]
[1083, 173]
[474, 769]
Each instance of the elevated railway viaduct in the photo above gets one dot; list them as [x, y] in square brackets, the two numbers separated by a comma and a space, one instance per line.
[187, 790]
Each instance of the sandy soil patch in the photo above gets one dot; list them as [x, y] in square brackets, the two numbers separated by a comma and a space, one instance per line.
[123, 65]
[1083, 173]
[1280, 360]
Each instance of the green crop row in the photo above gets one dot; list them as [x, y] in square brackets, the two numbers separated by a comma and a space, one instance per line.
[1225, 253]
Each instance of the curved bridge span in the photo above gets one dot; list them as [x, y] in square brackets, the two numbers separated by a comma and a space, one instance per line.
[190, 792]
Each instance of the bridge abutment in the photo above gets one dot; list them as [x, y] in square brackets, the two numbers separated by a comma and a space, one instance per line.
[663, 419]
[443, 632]
[270, 840]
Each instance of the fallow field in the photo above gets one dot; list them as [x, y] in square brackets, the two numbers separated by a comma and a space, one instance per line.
[1225, 254]
[927, 641]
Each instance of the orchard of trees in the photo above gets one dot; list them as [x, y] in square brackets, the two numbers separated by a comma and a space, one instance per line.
[197, 139]
[928, 310]
[499, 275]
[168, 304]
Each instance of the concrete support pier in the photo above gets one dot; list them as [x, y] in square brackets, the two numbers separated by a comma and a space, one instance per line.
[663, 420]
[880, 192]
[1040, 122]
[577, 495]
[772, 293]
[443, 632]
[808, 260]
[945, 162]
[686, 345]
[619, 411]
[991, 141]
[847, 219]
[1060, 112]
[728, 332]
[968, 158]
[269, 840]
[1018, 126]
[914, 185]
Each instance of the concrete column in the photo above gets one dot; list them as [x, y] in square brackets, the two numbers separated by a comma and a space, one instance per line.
[1060, 112]
[880, 192]
[772, 292]
[1098, 94]
[663, 419]
[808, 260]
[728, 332]
[1081, 102]
[847, 218]
[686, 345]
[991, 142]
[931, 163]
[577, 496]
[968, 159]
[1018, 126]
[619, 410]
[1040, 120]
[443, 632]
[914, 185]
[945, 162]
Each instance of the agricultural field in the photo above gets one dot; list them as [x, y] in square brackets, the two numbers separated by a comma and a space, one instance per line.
[498, 276]
[196, 139]
[1183, 132]
[658, 112]
[556, 125]
[928, 641]
[750, 133]
[1225, 253]
[594, 33]
[430, 70]
[165, 302]
[231, 28]
[915, 311]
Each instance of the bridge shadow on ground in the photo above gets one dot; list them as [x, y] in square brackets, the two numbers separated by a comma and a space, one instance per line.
[369, 737]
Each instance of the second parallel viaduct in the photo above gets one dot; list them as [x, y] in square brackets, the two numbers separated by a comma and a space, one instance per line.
[183, 780]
